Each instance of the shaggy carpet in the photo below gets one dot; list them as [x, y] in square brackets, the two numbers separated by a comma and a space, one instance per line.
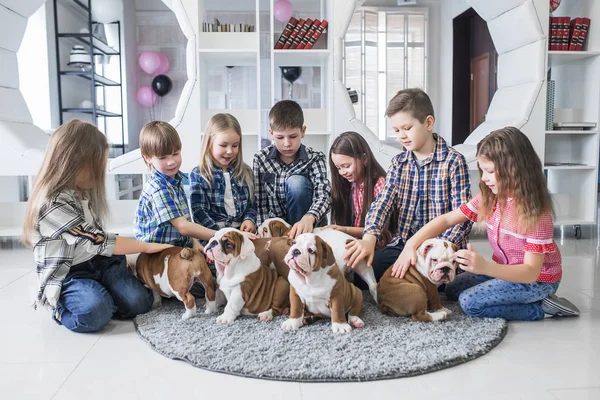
[387, 347]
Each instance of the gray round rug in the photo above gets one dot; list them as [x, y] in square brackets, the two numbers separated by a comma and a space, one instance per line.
[387, 347]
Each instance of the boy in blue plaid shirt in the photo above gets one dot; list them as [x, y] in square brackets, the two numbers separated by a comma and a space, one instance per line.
[426, 180]
[163, 214]
[290, 179]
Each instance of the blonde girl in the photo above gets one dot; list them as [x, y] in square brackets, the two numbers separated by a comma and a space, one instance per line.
[526, 267]
[81, 268]
[222, 185]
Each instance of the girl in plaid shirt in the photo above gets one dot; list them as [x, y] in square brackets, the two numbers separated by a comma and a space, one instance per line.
[222, 185]
[358, 182]
[81, 268]
[526, 268]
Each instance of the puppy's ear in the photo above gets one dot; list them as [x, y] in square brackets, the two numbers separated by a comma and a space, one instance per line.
[327, 257]
[246, 246]
[454, 247]
[278, 229]
[425, 247]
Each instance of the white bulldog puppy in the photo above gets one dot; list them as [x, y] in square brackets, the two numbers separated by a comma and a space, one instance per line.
[251, 288]
[318, 286]
[275, 227]
[417, 293]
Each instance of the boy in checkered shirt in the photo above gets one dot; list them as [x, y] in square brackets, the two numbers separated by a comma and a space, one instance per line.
[290, 179]
[163, 214]
[426, 180]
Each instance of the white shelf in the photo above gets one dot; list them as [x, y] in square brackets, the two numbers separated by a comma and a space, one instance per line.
[563, 57]
[228, 41]
[577, 132]
[569, 167]
[228, 58]
[300, 58]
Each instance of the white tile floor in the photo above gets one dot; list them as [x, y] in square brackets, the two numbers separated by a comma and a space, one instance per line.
[551, 359]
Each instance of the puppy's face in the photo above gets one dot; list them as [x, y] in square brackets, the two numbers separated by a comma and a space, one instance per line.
[227, 246]
[436, 261]
[308, 254]
[273, 227]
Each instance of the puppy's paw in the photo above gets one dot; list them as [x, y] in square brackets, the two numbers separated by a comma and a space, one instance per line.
[211, 307]
[266, 315]
[157, 302]
[356, 321]
[189, 313]
[446, 310]
[336, 327]
[292, 324]
[438, 315]
[225, 318]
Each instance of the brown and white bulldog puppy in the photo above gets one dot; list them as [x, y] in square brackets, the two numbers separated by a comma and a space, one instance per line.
[251, 288]
[172, 272]
[273, 227]
[417, 291]
[318, 287]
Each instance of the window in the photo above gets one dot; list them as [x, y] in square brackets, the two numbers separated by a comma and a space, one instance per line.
[384, 51]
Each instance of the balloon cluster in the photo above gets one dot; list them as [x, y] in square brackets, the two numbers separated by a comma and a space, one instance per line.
[154, 63]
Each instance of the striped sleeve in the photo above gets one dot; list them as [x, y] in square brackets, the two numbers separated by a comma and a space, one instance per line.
[384, 202]
[200, 201]
[471, 209]
[321, 187]
[459, 194]
[541, 239]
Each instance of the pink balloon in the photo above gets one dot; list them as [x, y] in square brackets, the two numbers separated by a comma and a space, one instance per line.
[149, 61]
[283, 10]
[146, 96]
[164, 64]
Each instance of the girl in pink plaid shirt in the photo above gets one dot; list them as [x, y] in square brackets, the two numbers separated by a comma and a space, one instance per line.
[526, 267]
[358, 182]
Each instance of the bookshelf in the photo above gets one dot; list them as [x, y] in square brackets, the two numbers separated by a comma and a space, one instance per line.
[571, 156]
[239, 72]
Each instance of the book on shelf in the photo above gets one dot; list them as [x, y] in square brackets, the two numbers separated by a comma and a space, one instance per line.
[318, 32]
[311, 31]
[294, 33]
[303, 31]
[217, 26]
[287, 31]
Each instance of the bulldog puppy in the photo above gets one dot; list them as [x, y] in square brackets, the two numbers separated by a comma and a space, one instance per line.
[251, 287]
[271, 251]
[172, 272]
[273, 227]
[319, 287]
[417, 292]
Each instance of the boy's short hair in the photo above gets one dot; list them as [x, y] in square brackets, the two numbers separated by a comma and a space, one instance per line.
[414, 101]
[159, 138]
[286, 114]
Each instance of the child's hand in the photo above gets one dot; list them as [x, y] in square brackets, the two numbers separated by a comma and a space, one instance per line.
[407, 258]
[156, 247]
[471, 261]
[359, 249]
[335, 227]
[305, 225]
[248, 226]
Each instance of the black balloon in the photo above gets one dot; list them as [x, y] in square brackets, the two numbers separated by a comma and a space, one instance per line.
[161, 84]
[291, 74]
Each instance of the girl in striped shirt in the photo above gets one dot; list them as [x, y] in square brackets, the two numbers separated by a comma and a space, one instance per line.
[514, 203]
[81, 268]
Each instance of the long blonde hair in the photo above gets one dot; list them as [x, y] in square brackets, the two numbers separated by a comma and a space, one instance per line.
[74, 146]
[241, 171]
[519, 174]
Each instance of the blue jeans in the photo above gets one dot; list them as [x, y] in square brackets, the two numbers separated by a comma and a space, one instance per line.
[298, 195]
[99, 289]
[486, 297]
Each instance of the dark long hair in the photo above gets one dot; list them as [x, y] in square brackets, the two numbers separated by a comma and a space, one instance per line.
[353, 145]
